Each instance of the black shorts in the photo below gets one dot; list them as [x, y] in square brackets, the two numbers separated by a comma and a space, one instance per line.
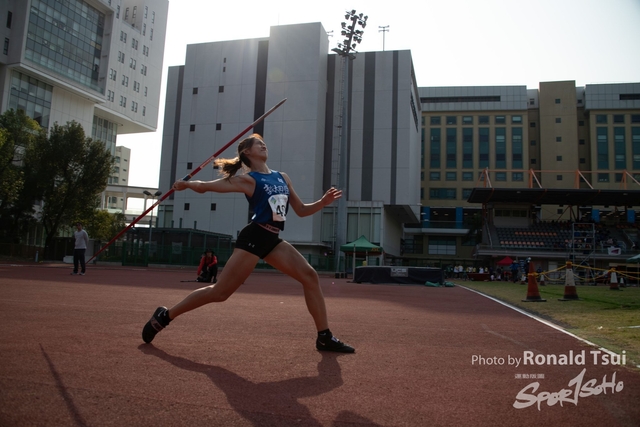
[256, 240]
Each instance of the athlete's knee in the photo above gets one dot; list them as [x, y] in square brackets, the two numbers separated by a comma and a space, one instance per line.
[309, 276]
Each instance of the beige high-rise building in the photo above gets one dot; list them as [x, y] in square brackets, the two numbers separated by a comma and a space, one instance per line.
[559, 136]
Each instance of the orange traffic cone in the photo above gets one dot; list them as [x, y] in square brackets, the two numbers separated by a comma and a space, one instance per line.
[570, 293]
[533, 294]
[613, 280]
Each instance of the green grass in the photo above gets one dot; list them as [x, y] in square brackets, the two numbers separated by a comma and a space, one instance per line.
[601, 316]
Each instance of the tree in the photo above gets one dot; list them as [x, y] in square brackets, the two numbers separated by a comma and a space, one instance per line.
[18, 134]
[104, 225]
[70, 171]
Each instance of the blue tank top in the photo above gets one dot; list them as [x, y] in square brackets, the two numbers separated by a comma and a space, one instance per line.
[270, 200]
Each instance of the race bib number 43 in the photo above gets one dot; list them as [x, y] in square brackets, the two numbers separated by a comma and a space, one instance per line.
[278, 203]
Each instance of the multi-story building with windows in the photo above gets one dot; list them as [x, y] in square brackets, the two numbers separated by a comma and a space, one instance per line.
[96, 62]
[558, 136]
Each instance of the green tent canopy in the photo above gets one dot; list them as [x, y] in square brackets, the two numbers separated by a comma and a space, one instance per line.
[361, 245]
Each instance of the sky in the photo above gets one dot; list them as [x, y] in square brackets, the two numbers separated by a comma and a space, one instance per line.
[452, 42]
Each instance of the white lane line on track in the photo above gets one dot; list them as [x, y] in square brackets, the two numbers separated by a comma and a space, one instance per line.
[551, 325]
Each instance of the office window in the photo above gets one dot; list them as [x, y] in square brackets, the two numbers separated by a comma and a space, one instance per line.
[580, 122]
[558, 139]
[9, 19]
[635, 118]
[442, 245]
[220, 89]
[213, 206]
[483, 120]
[583, 160]
[619, 148]
[516, 148]
[517, 176]
[601, 118]
[618, 177]
[218, 126]
[558, 158]
[533, 161]
[501, 176]
[618, 118]
[442, 193]
[467, 148]
[500, 120]
[452, 120]
[603, 177]
[635, 148]
[558, 177]
[516, 119]
[467, 120]
[483, 148]
[195, 91]
[434, 120]
[187, 206]
[581, 142]
[558, 119]
[557, 100]
[532, 142]
[451, 176]
[532, 124]
[452, 142]
[5, 49]
[467, 176]
[501, 148]
[466, 192]
[434, 176]
[192, 128]
[434, 152]
[602, 147]
[189, 165]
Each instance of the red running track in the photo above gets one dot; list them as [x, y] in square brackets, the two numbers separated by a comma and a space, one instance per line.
[71, 355]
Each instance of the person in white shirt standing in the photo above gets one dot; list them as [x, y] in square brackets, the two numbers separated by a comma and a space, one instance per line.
[82, 240]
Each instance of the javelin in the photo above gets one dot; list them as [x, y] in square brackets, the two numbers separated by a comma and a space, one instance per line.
[189, 176]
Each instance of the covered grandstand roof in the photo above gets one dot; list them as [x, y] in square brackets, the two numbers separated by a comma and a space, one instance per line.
[550, 196]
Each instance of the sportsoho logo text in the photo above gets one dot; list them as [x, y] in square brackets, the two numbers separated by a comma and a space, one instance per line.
[577, 387]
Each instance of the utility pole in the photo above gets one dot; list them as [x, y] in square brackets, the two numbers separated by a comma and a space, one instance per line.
[383, 29]
[346, 50]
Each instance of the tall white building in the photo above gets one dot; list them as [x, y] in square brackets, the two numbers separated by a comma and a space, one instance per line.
[98, 62]
[224, 86]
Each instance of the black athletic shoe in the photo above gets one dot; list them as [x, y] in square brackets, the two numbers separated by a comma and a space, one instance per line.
[333, 344]
[154, 325]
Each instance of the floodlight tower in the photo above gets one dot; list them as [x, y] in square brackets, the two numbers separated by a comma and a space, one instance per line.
[383, 29]
[347, 52]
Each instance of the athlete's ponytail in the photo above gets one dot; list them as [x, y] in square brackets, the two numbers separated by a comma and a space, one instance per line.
[229, 167]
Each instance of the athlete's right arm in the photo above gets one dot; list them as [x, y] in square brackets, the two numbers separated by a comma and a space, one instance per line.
[236, 184]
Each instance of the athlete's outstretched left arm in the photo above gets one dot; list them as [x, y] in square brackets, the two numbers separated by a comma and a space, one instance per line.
[306, 209]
